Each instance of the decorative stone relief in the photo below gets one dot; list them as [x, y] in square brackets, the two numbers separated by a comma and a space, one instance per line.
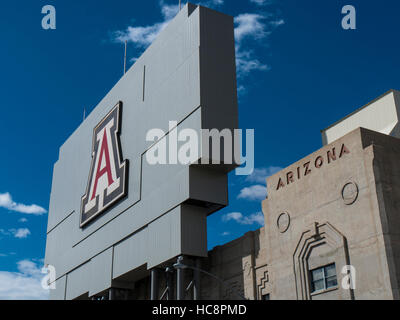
[317, 235]
[350, 193]
[262, 281]
[283, 222]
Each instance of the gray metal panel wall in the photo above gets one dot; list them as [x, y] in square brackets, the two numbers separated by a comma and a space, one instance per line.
[130, 253]
[174, 80]
[59, 292]
[100, 272]
[78, 282]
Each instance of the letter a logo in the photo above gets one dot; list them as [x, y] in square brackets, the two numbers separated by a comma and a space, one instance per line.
[107, 177]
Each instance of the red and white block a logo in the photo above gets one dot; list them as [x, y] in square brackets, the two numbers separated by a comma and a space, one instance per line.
[108, 173]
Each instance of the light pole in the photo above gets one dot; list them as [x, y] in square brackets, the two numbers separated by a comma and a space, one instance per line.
[180, 266]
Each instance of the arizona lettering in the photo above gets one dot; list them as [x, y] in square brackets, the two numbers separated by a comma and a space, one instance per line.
[307, 167]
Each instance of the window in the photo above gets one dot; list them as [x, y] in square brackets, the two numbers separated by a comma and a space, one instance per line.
[265, 297]
[323, 278]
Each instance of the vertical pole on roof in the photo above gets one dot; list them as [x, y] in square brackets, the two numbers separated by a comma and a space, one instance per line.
[126, 42]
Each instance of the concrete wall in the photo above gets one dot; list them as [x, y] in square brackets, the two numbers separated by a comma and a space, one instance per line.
[241, 264]
[381, 115]
[187, 75]
[339, 211]
[387, 174]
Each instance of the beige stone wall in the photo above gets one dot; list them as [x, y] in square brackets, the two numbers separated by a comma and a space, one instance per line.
[387, 184]
[241, 263]
[333, 200]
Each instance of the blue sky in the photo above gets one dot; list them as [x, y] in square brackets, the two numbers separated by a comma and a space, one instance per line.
[298, 72]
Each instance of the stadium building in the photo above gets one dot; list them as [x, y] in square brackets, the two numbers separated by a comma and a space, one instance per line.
[122, 228]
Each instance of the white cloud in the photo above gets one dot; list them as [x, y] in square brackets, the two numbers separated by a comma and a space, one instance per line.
[226, 233]
[255, 27]
[261, 2]
[260, 175]
[241, 89]
[169, 11]
[217, 2]
[143, 36]
[28, 267]
[257, 192]
[20, 233]
[7, 203]
[24, 284]
[277, 23]
[232, 216]
[248, 27]
[246, 220]
[246, 65]
[30, 209]
[17, 233]
[22, 220]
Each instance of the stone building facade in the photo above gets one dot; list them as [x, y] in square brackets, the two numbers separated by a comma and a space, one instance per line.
[337, 207]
